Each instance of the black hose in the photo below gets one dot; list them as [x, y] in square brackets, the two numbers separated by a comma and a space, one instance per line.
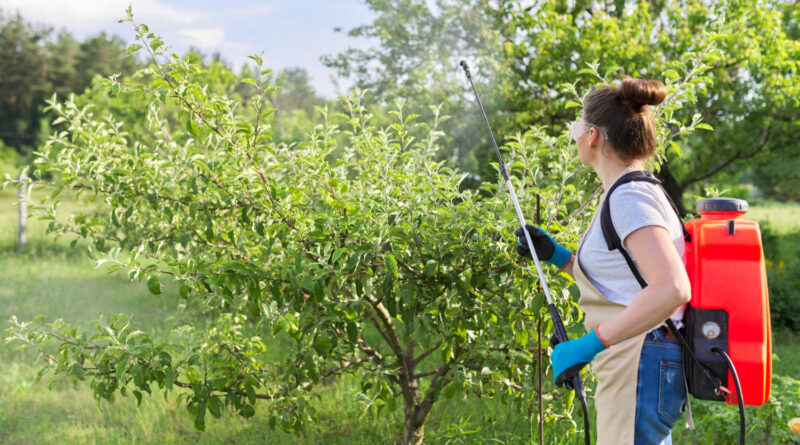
[739, 396]
[586, 426]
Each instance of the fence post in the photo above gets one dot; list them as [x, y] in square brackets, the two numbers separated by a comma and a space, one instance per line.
[23, 213]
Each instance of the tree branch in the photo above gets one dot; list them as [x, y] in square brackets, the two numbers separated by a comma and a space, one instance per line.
[330, 371]
[426, 373]
[375, 321]
[428, 351]
[730, 160]
[390, 334]
[582, 207]
[369, 350]
[422, 410]
[408, 268]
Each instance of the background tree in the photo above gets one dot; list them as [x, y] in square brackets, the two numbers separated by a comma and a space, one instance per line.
[295, 103]
[416, 58]
[525, 53]
[37, 64]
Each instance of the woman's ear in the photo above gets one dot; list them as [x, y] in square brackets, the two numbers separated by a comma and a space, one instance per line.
[594, 137]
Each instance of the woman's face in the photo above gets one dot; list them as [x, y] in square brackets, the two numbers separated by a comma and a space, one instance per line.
[589, 139]
[584, 133]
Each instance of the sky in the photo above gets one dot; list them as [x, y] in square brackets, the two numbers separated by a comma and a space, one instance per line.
[291, 33]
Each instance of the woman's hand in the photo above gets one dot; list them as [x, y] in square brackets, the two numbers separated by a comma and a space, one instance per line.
[546, 248]
[571, 356]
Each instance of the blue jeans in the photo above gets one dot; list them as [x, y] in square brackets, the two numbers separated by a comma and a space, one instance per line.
[660, 390]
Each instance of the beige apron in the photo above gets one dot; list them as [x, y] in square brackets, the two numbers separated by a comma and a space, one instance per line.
[617, 368]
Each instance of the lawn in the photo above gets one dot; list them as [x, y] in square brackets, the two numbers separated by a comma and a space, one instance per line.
[59, 282]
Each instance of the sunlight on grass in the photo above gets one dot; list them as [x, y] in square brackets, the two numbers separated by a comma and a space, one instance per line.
[783, 218]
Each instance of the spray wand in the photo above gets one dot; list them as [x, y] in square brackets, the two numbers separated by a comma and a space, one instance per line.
[574, 381]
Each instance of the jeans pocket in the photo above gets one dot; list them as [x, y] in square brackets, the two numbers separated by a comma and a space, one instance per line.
[671, 392]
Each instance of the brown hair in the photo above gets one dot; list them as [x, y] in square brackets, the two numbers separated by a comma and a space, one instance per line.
[626, 116]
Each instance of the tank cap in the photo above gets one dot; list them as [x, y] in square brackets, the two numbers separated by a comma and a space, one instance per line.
[722, 205]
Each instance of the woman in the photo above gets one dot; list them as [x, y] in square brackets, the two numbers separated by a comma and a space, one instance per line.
[640, 391]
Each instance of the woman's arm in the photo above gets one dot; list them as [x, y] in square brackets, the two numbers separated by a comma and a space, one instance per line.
[667, 288]
[568, 267]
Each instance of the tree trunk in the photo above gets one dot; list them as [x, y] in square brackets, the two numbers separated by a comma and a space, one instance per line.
[413, 434]
[413, 429]
[673, 188]
[417, 411]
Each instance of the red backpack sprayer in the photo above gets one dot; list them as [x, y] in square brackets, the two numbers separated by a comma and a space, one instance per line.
[726, 324]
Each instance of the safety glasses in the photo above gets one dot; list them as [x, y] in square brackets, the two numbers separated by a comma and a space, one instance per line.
[577, 128]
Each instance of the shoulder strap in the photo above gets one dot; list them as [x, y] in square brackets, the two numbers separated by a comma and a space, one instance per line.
[610, 234]
[613, 242]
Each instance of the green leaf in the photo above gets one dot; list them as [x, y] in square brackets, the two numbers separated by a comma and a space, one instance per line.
[338, 254]
[450, 390]
[122, 366]
[183, 291]
[77, 371]
[200, 418]
[154, 285]
[215, 406]
[191, 127]
[133, 48]
[704, 126]
[675, 147]
[521, 336]
[247, 411]
[322, 343]
[391, 265]
[251, 393]
[273, 421]
[430, 268]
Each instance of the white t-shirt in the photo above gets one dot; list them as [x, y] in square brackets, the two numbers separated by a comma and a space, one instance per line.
[633, 205]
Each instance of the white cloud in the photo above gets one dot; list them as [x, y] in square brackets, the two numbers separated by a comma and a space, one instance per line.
[86, 16]
[180, 27]
[203, 37]
[234, 28]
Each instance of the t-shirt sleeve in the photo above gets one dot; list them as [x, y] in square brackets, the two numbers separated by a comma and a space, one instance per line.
[635, 205]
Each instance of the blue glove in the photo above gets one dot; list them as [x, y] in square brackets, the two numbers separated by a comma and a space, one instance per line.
[570, 357]
[546, 247]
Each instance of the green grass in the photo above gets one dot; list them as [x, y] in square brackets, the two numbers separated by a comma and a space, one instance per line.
[783, 218]
[62, 283]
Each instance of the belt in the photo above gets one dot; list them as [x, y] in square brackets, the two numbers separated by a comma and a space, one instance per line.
[668, 334]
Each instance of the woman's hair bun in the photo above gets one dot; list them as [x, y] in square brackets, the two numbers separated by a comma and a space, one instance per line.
[640, 92]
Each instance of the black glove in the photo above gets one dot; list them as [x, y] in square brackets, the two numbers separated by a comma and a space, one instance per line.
[546, 248]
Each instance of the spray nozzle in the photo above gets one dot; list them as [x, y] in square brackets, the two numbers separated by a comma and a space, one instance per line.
[464, 65]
